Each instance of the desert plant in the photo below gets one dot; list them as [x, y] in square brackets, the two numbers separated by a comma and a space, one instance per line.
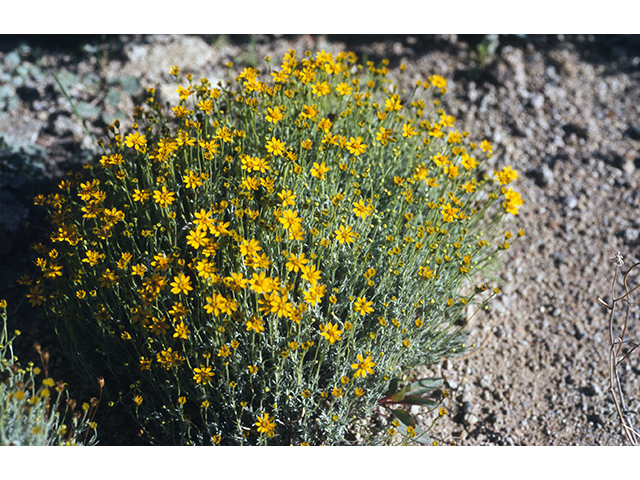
[257, 264]
[620, 348]
[35, 410]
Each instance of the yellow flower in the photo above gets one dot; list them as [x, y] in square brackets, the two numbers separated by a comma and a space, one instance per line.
[330, 332]
[438, 82]
[513, 201]
[355, 146]
[197, 238]
[363, 306]
[180, 284]
[275, 147]
[286, 198]
[224, 351]
[364, 367]
[506, 176]
[274, 115]
[182, 331]
[449, 213]
[265, 425]
[295, 263]
[203, 374]
[321, 89]
[139, 142]
[344, 89]
[92, 258]
[318, 171]
[486, 146]
[362, 210]
[408, 130]
[310, 273]
[108, 279]
[163, 197]
[35, 295]
[345, 235]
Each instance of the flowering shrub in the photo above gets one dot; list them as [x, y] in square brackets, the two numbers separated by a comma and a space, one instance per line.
[29, 411]
[257, 265]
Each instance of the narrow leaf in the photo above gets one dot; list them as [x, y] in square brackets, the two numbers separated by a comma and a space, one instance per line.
[394, 398]
[404, 417]
[414, 400]
[425, 385]
[421, 435]
[393, 386]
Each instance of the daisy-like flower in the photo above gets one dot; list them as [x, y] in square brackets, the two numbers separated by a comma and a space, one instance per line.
[363, 306]
[180, 284]
[163, 197]
[362, 210]
[344, 89]
[330, 332]
[318, 171]
[275, 147]
[506, 176]
[355, 146]
[363, 367]
[449, 213]
[203, 374]
[345, 234]
[295, 263]
[274, 115]
[139, 142]
[265, 425]
[182, 331]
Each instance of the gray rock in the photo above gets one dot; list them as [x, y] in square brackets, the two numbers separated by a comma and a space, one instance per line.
[19, 131]
[631, 235]
[470, 419]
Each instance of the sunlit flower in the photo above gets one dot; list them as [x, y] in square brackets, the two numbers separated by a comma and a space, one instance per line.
[363, 367]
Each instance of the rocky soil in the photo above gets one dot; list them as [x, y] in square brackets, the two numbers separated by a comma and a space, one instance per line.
[562, 110]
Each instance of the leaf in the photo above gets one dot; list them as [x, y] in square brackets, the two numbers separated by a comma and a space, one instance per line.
[394, 398]
[421, 435]
[414, 400]
[424, 385]
[393, 386]
[404, 417]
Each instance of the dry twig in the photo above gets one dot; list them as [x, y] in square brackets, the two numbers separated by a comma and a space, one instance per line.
[616, 356]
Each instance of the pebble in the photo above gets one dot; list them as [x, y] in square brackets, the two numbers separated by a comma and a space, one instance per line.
[543, 175]
[631, 235]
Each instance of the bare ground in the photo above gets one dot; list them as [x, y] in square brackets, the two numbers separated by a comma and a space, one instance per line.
[563, 111]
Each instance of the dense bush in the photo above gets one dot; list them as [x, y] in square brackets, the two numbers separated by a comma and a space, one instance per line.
[257, 264]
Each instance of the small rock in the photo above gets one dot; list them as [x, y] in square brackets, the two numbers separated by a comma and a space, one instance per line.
[131, 85]
[591, 390]
[543, 175]
[12, 59]
[633, 132]
[537, 100]
[470, 419]
[631, 235]
[570, 201]
[19, 131]
[485, 381]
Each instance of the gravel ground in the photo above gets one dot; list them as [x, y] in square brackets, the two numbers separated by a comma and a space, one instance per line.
[562, 110]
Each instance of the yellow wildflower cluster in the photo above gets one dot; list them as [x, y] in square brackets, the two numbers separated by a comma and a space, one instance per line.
[242, 246]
